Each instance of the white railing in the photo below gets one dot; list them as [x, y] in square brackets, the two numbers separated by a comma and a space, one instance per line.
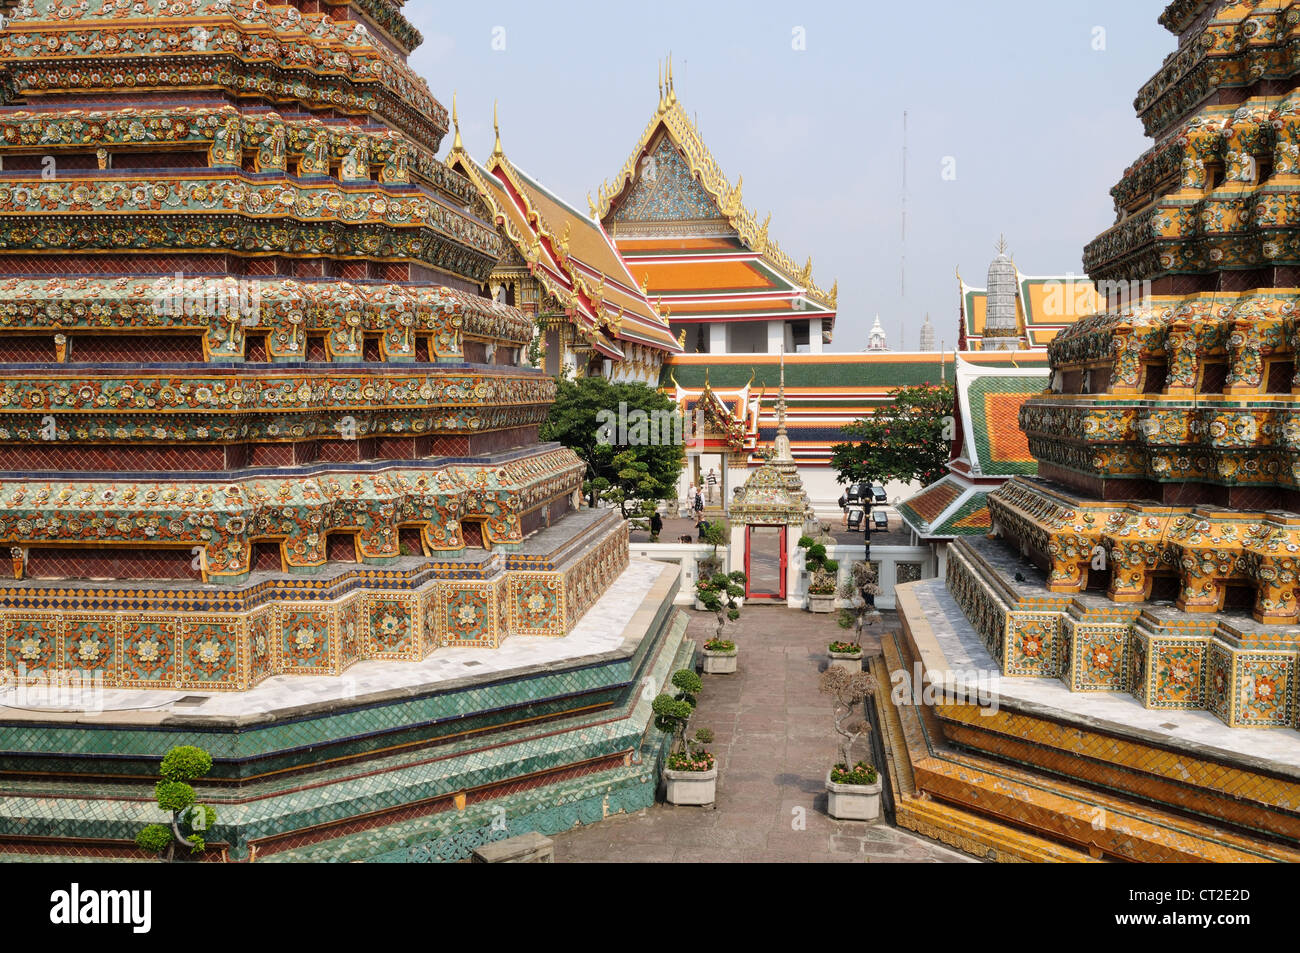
[685, 555]
[894, 563]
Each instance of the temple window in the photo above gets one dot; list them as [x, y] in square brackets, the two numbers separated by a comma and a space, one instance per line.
[471, 531]
[1214, 375]
[1099, 379]
[255, 349]
[1154, 376]
[1281, 371]
[341, 547]
[266, 557]
[1263, 168]
[410, 541]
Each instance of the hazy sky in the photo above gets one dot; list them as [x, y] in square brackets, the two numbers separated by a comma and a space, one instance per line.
[1029, 102]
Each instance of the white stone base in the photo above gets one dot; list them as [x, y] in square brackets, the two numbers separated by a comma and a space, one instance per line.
[691, 788]
[850, 663]
[719, 663]
[853, 802]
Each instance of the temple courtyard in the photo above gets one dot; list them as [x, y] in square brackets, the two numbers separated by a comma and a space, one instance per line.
[774, 743]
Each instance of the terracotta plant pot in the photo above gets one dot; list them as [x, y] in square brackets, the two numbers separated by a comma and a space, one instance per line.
[691, 787]
[853, 802]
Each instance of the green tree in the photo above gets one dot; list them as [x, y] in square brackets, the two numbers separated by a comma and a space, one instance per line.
[173, 793]
[632, 470]
[673, 715]
[905, 440]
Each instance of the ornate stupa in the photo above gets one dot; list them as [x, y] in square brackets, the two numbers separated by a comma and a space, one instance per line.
[877, 340]
[241, 310]
[927, 342]
[1119, 663]
[259, 416]
[1000, 330]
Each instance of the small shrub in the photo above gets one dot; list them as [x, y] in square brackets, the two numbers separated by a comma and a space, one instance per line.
[861, 773]
[173, 793]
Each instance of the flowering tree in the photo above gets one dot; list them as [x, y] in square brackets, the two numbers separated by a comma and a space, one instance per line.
[908, 439]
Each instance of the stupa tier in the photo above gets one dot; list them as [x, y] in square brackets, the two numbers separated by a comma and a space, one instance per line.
[1165, 519]
[258, 413]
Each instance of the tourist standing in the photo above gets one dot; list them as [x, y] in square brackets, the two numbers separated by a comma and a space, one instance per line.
[712, 481]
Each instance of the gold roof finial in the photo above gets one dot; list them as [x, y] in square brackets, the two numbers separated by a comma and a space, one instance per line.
[672, 94]
[457, 145]
[591, 205]
[497, 151]
[663, 103]
[835, 293]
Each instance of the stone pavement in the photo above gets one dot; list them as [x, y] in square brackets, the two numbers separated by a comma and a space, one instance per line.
[774, 743]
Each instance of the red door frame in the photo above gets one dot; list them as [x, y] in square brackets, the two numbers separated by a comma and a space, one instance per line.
[749, 576]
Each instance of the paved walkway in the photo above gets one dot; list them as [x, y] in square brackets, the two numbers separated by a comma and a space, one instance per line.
[774, 743]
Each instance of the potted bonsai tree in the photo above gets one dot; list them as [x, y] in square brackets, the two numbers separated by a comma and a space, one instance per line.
[189, 820]
[722, 595]
[860, 593]
[690, 771]
[821, 575]
[852, 787]
[714, 533]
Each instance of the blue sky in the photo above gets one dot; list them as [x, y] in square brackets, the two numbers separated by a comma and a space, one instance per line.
[1028, 101]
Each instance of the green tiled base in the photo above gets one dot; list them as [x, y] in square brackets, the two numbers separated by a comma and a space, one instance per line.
[579, 737]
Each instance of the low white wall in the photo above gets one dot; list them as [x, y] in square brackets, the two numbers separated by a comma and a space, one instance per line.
[685, 556]
[895, 564]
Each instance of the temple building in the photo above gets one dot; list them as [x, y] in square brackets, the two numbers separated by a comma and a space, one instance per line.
[988, 449]
[562, 270]
[260, 415]
[688, 238]
[1116, 663]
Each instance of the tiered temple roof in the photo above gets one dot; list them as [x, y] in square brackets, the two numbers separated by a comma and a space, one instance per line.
[689, 239]
[824, 392]
[989, 448]
[576, 264]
